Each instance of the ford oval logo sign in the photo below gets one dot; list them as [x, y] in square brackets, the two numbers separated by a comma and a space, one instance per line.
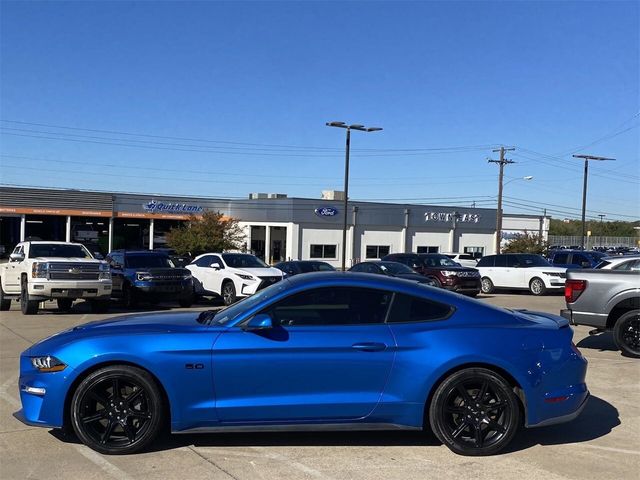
[326, 211]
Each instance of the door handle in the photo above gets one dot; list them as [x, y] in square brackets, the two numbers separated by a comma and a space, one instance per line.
[369, 346]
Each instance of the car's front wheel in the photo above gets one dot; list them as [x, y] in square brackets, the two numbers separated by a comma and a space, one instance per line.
[27, 306]
[474, 412]
[228, 292]
[537, 286]
[627, 334]
[486, 285]
[117, 410]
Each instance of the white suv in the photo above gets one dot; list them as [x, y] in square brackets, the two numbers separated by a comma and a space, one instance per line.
[464, 259]
[520, 271]
[231, 275]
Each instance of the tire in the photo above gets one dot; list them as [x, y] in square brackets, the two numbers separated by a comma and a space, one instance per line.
[28, 306]
[486, 285]
[537, 286]
[436, 283]
[99, 306]
[64, 304]
[129, 297]
[626, 334]
[228, 293]
[472, 294]
[5, 303]
[463, 417]
[117, 410]
[186, 302]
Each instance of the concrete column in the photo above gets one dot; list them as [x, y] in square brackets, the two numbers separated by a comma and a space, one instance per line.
[247, 236]
[290, 250]
[68, 229]
[351, 255]
[452, 234]
[151, 225]
[23, 227]
[110, 234]
[267, 244]
[403, 235]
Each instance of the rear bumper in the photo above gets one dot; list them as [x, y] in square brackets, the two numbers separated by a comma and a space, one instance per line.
[567, 417]
[582, 318]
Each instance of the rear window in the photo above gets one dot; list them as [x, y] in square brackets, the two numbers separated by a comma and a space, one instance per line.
[408, 309]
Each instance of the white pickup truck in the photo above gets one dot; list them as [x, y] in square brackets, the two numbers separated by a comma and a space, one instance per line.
[39, 271]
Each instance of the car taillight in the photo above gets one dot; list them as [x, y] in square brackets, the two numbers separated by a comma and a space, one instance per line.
[573, 289]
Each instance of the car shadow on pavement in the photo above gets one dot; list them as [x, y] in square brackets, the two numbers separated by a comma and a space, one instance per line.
[597, 420]
[602, 342]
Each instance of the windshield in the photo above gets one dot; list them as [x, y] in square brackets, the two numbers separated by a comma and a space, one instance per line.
[306, 267]
[58, 250]
[533, 261]
[227, 314]
[243, 260]
[439, 261]
[395, 268]
[148, 261]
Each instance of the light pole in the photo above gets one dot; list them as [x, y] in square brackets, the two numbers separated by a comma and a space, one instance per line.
[601, 215]
[361, 128]
[499, 213]
[586, 159]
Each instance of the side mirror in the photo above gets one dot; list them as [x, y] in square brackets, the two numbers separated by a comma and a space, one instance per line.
[215, 266]
[16, 257]
[261, 321]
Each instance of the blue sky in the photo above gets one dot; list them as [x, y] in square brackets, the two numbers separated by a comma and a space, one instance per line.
[233, 98]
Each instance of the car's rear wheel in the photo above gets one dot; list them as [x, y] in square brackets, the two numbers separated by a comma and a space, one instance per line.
[537, 286]
[627, 334]
[117, 409]
[187, 301]
[228, 292]
[64, 304]
[486, 285]
[474, 412]
[27, 306]
[5, 303]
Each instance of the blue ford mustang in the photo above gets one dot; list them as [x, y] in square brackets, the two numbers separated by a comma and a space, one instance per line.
[317, 351]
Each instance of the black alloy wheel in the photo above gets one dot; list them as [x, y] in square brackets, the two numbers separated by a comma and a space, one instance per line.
[474, 412]
[626, 334]
[64, 304]
[228, 292]
[28, 306]
[117, 410]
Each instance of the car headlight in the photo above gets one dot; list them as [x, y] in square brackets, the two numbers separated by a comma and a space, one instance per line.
[47, 364]
[244, 277]
[143, 276]
[449, 273]
[105, 271]
[39, 269]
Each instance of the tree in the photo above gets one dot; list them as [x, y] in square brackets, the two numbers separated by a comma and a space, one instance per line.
[211, 232]
[526, 243]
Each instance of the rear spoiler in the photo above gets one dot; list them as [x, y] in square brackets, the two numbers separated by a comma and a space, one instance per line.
[561, 322]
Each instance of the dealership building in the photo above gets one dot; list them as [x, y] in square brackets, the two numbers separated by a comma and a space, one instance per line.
[276, 227]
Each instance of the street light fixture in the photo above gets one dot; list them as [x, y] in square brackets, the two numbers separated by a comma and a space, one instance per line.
[360, 128]
[586, 159]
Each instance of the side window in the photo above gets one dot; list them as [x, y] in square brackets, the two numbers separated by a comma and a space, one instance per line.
[501, 261]
[360, 267]
[631, 265]
[117, 259]
[215, 259]
[486, 261]
[331, 306]
[579, 259]
[561, 258]
[204, 261]
[512, 261]
[412, 309]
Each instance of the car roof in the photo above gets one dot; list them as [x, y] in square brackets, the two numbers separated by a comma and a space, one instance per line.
[39, 242]
[139, 252]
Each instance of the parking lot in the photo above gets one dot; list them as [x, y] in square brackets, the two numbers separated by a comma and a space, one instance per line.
[604, 442]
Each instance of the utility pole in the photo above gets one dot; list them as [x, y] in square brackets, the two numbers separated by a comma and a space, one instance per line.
[601, 215]
[502, 162]
[586, 159]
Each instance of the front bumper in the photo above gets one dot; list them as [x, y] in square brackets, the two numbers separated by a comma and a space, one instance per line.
[51, 289]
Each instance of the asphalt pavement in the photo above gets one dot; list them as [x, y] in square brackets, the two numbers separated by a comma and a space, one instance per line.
[603, 443]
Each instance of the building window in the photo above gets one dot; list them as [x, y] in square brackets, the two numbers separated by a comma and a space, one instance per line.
[323, 251]
[477, 252]
[427, 249]
[377, 251]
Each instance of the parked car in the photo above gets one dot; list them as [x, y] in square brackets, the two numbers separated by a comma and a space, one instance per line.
[63, 271]
[464, 259]
[145, 275]
[575, 258]
[296, 267]
[607, 300]
[520, 271]
[442, 270]
[392, 269]
[626, 262]
[231, 275]
[331, 350]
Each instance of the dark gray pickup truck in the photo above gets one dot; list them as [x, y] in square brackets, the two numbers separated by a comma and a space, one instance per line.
[606, 300]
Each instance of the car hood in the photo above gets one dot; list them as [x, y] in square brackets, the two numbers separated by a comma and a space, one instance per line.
[67, 259]
[259, 272]
[169, 322]
[411, 276]
[453, 268]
